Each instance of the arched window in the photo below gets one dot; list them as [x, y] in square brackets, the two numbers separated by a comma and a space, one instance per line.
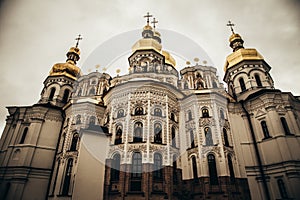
[214, 84]
[205, 113]
[173, 133]
[119, 131]
[74, 141]
[79, 92]
[173, 117]
[226, 142]
[136, 172]
[138, 132]
[52, 92]
[213, 175]
[120, 113]
[190, 117]
[185, 85]
[78, 119]
[115, 167]
[92, 91]
[192, 139]
[157, 112]
[24, 136]
[67, 178]
[92, 120]
[175, 169]
[257, 79]
[139, 111]
[66, 96]
[285, 126]
[265, 129]
[231, 170]
[222, 116]
[282, 189]
[158, 171]
[242, 84]
[194, 166]
[157, 133]
[208, 137]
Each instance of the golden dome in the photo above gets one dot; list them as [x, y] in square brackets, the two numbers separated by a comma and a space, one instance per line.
[240, 55]
[147, 27]
[67, 69]
[147, 43]
[74, 50]
[169, 58]
[234, 36]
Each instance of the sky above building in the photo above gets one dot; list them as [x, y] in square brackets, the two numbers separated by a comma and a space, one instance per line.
[34, 35]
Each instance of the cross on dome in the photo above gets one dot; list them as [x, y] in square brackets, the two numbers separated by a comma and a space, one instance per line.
[231, 25]
[154, 22]
[148, 16]
[78, 38]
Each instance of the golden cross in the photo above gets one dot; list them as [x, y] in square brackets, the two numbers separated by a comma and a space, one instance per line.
[78, 38]
[148, 16]
[154, 22]
[231, 25]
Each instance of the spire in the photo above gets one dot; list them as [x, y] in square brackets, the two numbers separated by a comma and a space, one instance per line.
[236, 41]
[154, 22]
[74, 52]
[147, 31]
[148, 16]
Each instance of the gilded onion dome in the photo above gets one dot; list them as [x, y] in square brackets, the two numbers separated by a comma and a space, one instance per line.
[68, 68]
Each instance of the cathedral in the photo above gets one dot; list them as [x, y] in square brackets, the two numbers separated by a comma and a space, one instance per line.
[155, 133]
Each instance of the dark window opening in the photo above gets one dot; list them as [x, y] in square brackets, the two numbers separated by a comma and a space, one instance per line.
[231, 170]
[78, 119]
[285, 126]
[226, 141]
[157, 112]
[258, 81]
[242, 84]
[118, 139]
[136, 172]
[190, 117]
[265, 129]
[208, 137]
[173, 133]
[194, 166]
[67, 179]
[138, 132]
[158, 171]
[74, 142]
[205, 113]
[192, 139]
[282, 189]
[139, 111]
[66, 96]
[213, 175]
[24, 136]
[52, 92]
[115, 168]
[92, 120]
[120, 113]
[157, 133]
[173, 117]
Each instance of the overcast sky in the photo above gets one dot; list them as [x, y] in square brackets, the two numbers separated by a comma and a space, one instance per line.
[36, 34]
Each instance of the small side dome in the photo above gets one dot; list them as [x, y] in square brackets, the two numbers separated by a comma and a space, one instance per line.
[67, 69]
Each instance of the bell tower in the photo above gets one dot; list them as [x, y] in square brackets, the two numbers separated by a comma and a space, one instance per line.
[246, 71]
[58, 85]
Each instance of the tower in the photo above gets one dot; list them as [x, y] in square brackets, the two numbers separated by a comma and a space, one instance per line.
[29, 141]
[265, 123]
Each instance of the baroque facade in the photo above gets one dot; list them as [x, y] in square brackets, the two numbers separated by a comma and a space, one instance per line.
[155, 133]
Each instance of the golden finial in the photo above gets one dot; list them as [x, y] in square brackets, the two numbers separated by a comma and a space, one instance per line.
[204, 62]
[231, 26]
[89, 70]
[104, 69]
[188, 62]
[154, 22]
[78, 38]
[118, 71]
[147, 16]
[196, 59]
[97, 66]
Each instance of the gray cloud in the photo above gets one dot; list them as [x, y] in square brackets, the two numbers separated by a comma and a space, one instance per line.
[36, 34]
